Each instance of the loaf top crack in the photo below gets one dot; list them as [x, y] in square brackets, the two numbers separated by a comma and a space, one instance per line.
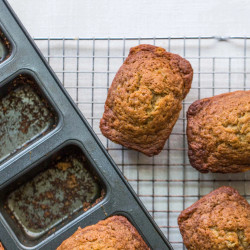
[144, 100]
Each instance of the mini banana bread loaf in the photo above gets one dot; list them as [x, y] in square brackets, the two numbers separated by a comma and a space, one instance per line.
[220, 220]
[1, 246]
[144, 100]
[116, 232]
[218, 132]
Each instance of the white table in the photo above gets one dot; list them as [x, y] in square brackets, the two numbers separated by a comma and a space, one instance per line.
[218, 67]
[131, 18]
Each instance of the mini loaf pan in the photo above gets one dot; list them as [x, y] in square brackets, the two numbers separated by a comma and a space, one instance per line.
[52, 161]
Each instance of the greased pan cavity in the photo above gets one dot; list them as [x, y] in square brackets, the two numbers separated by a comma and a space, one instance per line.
[58, 142]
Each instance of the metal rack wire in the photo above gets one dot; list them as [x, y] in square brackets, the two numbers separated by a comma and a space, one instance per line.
[166, 183]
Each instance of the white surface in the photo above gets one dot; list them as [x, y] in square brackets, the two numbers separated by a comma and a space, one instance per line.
[168, 176]
[130, 18]
[219, 68]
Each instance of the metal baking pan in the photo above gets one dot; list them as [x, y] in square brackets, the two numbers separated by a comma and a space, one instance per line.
[65, 131]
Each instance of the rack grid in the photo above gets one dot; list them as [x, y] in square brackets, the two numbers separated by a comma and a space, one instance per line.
[166, 183]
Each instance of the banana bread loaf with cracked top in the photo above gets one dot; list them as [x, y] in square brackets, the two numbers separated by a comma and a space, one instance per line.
[145, 99]
[219, 220]
[115, 232]
[218, 132]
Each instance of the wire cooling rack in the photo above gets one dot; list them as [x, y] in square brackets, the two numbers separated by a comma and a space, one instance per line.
[166, 183]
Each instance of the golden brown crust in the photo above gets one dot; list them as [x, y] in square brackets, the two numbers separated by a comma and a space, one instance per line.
[218, 132]
[116, 232]
[219, 220]
[1, 246]
[144, 100]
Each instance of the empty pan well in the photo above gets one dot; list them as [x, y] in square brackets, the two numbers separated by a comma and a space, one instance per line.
[53, 193]
[25, 115]
[5, 47]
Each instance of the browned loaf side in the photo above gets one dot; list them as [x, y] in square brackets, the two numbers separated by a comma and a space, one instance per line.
[220, 220]
[116, 232]
[144, 100]
[218, 132]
